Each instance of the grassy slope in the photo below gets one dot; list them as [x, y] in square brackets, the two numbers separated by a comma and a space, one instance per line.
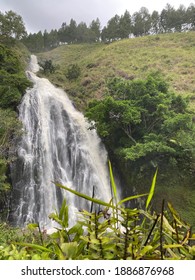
[172, 54]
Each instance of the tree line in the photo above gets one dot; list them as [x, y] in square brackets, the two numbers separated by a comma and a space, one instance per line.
[140, 23]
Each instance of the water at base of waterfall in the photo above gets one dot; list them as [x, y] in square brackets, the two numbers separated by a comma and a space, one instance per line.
[56, 146]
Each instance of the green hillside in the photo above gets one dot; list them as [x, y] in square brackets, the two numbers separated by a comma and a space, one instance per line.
[173, 55]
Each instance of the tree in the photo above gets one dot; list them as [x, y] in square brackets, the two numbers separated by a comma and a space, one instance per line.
[125, 25]
[46, 40]
[104, 34]
[168, 18]
[73, 72]
[95, 30]
[112, 31]
[47, 67]
[190, 16]
[180, 18]
[13, 80]
[141, 22]
[142, 122]
[35, 42]
[12, 25]
[155, 23]
[72, 31]
[53, 40]
[82, 33]
[62, 33]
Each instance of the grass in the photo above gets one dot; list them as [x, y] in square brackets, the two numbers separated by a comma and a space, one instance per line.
[171, 54]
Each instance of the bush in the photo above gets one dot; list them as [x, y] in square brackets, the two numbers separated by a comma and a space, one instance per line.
[47, 67]
[10, 97]
[73, 72]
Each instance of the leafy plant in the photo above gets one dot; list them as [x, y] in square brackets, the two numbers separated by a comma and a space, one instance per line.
[73, 72]
[47, 67]
[13, 86]
[114, 233]
[143, 125]
[12, 25]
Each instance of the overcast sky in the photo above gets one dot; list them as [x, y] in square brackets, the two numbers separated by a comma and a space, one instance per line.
[50, 14]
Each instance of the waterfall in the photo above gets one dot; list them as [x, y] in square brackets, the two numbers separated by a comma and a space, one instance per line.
[56, 146]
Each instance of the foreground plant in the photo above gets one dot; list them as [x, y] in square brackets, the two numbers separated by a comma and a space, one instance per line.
[113, 233]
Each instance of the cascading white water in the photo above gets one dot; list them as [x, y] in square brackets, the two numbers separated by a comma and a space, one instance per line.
[56, 146]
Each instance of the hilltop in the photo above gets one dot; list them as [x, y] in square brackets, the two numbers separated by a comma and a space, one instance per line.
[171, 54]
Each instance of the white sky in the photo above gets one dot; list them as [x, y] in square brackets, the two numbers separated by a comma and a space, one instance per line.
[50, 14]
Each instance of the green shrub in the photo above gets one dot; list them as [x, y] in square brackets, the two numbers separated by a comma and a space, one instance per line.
[73, 72]
[47, 67]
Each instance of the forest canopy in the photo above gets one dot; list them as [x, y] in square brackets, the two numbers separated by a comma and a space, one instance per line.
[141, 123]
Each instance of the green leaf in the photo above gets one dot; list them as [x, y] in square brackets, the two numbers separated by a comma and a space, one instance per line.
[131, 198]
[176, 216]
[55, 217]
[114, 189]
[172, 246]
[69, 249]
[85, 196]
[35, 246]
[32, 226]
[62, 209]
[151, 193]
[144, 251]
[167, 226]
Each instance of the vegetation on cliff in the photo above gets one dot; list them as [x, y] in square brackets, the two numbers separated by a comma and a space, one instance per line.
[13, 85]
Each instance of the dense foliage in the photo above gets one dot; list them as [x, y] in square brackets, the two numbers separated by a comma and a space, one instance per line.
[47, 67]
[13, 79]
[12, 87]
[143, 125]
[73, 72]
[11, 25]
[118, 27]
[113, 233]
